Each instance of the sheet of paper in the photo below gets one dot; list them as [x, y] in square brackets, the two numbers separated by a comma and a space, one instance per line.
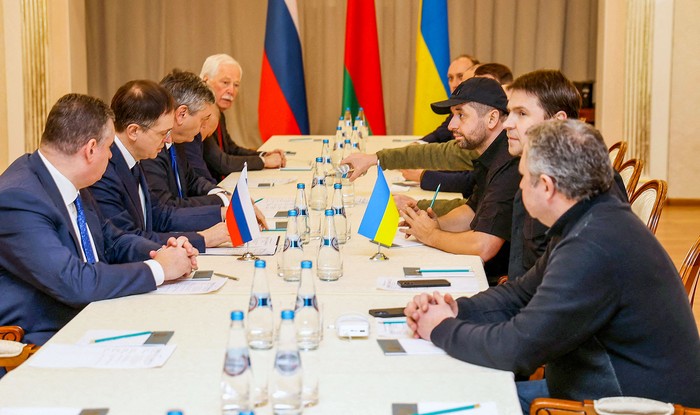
[294, 165]
[269, 206]
[395, 188]
[392, 328]
[52, 411]
[191, 286]
[400, 241]
[467, 284]
[99, 357]
[420, 346]
[265, 245]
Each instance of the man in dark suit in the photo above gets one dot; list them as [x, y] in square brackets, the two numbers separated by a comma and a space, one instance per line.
[143, 120]
[171, 179]
[58, 254]
[221, 154]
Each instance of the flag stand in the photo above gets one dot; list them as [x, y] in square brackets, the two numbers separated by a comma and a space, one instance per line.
[379, 256]
[248, 256]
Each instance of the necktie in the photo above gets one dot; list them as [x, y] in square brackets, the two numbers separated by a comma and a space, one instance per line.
[84, 237]
[136, 172]
[173, 162]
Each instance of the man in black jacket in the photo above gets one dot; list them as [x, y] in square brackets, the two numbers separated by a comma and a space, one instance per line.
[595, 307]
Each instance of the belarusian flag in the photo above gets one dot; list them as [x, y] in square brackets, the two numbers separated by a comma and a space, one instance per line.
[362, 76]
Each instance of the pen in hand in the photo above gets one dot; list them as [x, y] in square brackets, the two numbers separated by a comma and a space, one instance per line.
[432, 202]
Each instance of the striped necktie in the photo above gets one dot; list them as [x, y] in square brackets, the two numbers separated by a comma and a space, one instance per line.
[173, 162]
[84, 237]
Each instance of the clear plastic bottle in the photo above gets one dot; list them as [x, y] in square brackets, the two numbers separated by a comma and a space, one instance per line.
[306, 315]
[347, 116]
[329, 264]
[236, 376]
[286, 378]
[361, 115]
[302, 209]
[339, 216]
[288, 265]
[260, 325]
[354, 138]
[337, 149]
[326, 155]
[318, 187]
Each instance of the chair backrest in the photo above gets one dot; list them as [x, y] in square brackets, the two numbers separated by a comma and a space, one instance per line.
[552, 406]
[13, 333]
[617, 154]
[630, 172]
[690, 270]
[648, 201]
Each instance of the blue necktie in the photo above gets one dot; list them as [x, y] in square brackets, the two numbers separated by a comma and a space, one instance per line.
[173, 162]
[84, 237]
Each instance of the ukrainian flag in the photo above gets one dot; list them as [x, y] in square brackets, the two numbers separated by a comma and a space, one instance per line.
[432, 61]
[381, 219]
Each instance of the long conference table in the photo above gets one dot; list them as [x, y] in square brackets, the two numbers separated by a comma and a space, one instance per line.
[355, 376]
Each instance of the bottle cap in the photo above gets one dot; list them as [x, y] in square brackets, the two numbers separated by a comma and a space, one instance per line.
[287, 315]
[174, 412]
[337, 186]
[236, 315]
[325, 141]
[292, 212]
[301, 186]
[319, 159]
[329, 212]
[260, 263]
[306, 265]
[347, 140]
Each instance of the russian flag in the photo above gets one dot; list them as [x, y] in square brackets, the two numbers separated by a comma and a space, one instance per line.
[432, 61]
[240, 215]
[282, 107]
[381, 218]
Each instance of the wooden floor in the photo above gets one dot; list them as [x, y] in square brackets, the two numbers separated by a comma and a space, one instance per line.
[679, 228]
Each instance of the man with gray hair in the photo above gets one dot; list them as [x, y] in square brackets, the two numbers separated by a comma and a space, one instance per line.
[218, 152]
[594, 308]
[171, 179]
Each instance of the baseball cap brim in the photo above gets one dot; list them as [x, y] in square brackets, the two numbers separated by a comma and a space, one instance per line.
[443, 107]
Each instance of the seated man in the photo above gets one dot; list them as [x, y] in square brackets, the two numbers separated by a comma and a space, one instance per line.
[171, 179]
[595, 308]
[219, 152]
[451, 181]
[143, 120]
[482, 226]
[58, 254]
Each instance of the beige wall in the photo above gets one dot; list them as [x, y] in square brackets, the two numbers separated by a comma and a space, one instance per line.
[3, 93]
[684, 142]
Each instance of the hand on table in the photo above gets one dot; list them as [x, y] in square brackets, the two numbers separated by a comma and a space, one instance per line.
[426, 311]
[412, 174]
[404, 202]
[421, 224]
[177, 257]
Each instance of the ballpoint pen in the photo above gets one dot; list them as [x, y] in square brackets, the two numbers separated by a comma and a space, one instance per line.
[123, 336]
[231, 277]
[432, 202]
[449, 411]
[258, 200]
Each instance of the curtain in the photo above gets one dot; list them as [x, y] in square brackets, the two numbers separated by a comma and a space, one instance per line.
[136, 39]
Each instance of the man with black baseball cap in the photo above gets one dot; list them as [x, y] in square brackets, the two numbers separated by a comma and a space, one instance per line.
[482, 226]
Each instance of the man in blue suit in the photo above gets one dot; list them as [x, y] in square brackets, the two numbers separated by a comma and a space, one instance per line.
[58, 254]
[143, 121]
[171, 179]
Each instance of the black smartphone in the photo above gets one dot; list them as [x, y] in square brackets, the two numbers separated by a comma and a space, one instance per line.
[387, 312]
[423, 283]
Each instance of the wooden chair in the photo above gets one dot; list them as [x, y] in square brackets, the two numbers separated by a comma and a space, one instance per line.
[630, 172]
[552, 406]
[648, 201]
[690, 270]
[617, 154]
[17, 352]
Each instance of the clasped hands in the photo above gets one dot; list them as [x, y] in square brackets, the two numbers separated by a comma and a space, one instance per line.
[422, 224]
[177, 257]
[426, 311]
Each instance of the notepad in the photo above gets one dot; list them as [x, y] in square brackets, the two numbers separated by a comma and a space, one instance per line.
[101, 357]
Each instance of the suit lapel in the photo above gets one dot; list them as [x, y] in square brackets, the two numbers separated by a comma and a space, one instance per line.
[52, 190]
[94, 223]
[130, 183]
